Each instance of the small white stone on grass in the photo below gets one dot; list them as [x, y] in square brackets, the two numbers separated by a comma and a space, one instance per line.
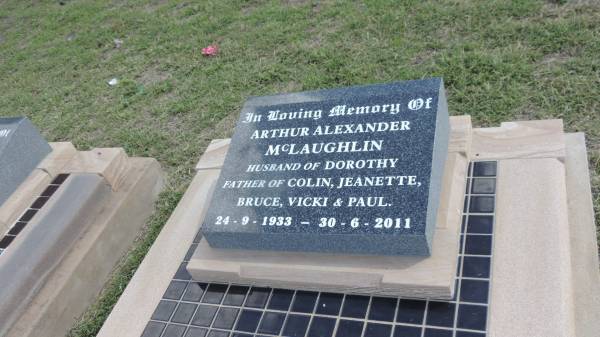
[113, 82]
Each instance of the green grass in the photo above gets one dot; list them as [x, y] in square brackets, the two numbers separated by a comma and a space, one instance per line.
[501, 60]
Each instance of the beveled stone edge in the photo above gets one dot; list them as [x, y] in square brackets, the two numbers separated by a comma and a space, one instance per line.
[214, 156]
[109, 163]
[584, 260]
[461, 130]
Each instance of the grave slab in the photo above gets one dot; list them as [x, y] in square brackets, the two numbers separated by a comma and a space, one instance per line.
[354, 170]
[21, 149]
[399, 276]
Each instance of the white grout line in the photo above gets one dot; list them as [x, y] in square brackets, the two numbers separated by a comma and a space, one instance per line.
[395, 315]
[339, 315]
[264, 311]
[313, 314]
[424, 323]
[367, 315]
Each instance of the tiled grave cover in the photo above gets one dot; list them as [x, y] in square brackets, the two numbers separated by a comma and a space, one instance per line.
[39, 202]
[191, 309]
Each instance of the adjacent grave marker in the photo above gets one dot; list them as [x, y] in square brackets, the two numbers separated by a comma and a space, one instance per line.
[21, 149]
[350, 170]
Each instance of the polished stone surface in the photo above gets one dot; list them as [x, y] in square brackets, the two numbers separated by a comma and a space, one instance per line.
[350, 170]
[21, 149]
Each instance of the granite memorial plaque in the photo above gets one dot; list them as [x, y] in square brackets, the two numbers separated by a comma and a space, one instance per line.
[352, 170]
[21, 149]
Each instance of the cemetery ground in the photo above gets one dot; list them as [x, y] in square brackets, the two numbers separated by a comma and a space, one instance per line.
[501, 61]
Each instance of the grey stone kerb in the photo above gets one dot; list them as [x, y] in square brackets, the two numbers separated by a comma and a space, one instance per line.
[22, 148]
[380, 149]
[54, 230]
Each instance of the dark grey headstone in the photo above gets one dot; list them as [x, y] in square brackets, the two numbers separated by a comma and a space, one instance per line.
[21, 149]
[388, 145]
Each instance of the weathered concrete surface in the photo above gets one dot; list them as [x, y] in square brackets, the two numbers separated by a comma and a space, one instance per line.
[584, 261]
[524, 139]
[110, 229]
[531, 292]
[214, 156]
[461, 134]
[62, 153]
[38, 250]
[109, 163]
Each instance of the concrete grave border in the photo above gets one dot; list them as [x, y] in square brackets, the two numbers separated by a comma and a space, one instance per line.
[522, 142]
[89, 240]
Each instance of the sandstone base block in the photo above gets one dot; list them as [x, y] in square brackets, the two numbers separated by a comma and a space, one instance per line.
[409, 276]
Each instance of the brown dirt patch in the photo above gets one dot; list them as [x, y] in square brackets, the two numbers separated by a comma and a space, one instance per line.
[555, 58]
[291, 86]
[152, 76]
[295, 2]
[223, 129]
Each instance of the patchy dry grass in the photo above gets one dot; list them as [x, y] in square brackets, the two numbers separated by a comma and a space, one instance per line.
[501, 60]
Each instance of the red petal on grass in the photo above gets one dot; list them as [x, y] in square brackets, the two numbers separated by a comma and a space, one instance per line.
[210, 50]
